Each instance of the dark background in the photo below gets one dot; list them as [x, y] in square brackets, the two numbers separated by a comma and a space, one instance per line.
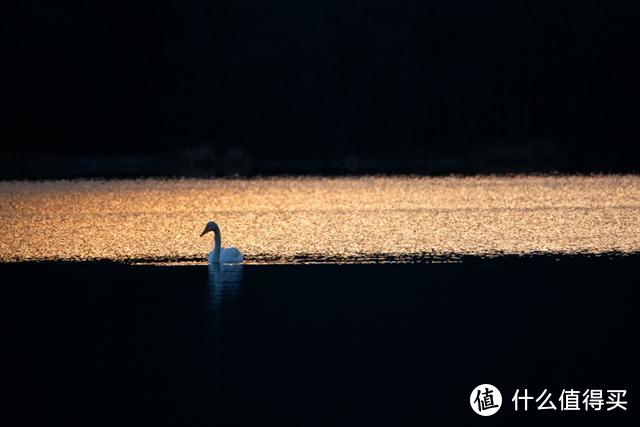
[428, 86]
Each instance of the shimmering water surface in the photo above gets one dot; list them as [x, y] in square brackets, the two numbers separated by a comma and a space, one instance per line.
[319, 219]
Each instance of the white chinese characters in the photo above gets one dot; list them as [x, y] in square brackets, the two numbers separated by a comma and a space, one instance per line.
[571, 400]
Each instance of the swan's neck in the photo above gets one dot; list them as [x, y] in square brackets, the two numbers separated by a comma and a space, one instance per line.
[217, 243]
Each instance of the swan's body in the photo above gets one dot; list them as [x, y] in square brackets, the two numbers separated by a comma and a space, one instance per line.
[227, 256]
[220, 255]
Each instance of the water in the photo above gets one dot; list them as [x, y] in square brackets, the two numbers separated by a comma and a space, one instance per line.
[285, 220]
[342, 316]
[105, 344]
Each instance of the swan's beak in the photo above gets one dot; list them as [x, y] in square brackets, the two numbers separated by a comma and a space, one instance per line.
[206, 230]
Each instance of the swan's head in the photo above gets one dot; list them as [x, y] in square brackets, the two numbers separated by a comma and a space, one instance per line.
[211, 226]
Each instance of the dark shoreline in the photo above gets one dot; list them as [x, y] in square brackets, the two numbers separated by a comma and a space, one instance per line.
[205, 163]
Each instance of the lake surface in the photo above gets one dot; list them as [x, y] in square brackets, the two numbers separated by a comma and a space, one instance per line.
[286, 220]
[344, 314]
[105, 344]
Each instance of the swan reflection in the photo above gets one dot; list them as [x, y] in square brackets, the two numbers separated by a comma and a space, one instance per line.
[225, 282]
[224, 285]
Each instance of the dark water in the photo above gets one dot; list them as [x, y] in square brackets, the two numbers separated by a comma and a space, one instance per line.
[97, 344]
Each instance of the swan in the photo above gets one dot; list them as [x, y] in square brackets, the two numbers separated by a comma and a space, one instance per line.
[220, 255]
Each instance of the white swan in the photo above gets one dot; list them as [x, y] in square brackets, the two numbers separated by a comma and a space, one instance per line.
[220, 255]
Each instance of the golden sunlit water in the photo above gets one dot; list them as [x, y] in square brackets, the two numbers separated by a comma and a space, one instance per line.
[319, 219]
